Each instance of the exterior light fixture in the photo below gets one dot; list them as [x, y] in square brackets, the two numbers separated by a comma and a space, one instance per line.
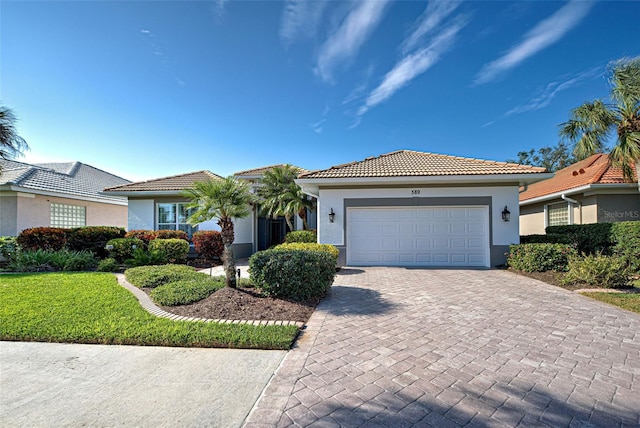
[332, 216]
[506, 214]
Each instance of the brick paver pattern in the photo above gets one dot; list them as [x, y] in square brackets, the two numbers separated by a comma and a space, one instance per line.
[445, 348]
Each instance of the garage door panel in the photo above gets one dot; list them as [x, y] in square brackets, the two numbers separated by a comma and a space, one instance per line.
[415, 236]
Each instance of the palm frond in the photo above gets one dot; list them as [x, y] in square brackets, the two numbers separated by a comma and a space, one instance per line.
[625, 81]
[223, 199]
[11, 144]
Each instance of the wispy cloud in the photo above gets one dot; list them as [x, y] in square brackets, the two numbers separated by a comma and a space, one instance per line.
[543, 35]
[349, 37]
[317, 126]
[157, 50]
[412, 65]
[300, 19]
[431, 18]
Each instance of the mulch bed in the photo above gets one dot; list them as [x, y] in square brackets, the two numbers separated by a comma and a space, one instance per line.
[553, 278]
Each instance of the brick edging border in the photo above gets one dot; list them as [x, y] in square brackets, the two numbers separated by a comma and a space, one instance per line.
[148, 305]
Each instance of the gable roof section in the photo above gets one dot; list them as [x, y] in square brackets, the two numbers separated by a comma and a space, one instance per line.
[595, 169]
[69, 179]
[409, 163]
[259, 172]
[172, 183]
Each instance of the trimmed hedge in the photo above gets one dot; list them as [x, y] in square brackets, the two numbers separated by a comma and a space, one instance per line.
[293, 274]
[122, 249]
[145, 235]
[172, 250]
[586, 238]
[550, 238]
[172, 234]
[92, 238]
[154, 276]
[43, 238]
[306, 236]
[208, 243]
[326, 248]
[540, 257]
[186, 291]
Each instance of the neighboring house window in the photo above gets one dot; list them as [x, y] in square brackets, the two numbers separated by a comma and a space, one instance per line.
[558, 214]
[63, 215]
[174, 217]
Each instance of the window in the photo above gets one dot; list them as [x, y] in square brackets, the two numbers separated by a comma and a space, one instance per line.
[63, 215]
[558, 214]
[174, 217]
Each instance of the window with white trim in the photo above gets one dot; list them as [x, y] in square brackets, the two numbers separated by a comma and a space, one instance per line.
[173, 216]
[558, 214]
[63, 215]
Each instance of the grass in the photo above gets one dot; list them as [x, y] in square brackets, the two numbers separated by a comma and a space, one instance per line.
[630, 302]
[93, 308]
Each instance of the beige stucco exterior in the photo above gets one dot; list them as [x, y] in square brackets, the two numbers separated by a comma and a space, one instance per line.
[19, 211]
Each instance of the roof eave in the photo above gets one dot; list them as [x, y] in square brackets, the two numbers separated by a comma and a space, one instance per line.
[130, 193]
[28, 190]
[589, 188]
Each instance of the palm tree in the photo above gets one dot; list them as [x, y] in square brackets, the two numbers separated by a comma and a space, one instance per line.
[281, 196]
[593, 122]
[11, 144]
[224, 199]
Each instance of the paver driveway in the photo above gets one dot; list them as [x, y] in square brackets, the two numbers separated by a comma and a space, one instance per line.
[410, 347]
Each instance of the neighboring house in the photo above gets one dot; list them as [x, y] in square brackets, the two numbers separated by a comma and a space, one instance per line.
[159, 204]
[589, 191]
[57, 195]
[409, 208]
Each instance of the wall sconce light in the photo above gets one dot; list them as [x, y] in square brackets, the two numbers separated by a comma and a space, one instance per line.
[332, 216]
[506, 214]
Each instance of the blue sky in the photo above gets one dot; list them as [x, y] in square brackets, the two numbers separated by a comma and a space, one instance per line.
[147, 89]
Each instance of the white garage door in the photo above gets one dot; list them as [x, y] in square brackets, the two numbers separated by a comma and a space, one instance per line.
[418, 236]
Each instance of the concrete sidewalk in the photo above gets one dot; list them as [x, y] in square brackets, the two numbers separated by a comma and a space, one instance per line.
[72, 385]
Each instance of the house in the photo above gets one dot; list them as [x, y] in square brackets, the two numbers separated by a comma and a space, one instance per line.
[57, 195]
[410, 208]
[589, 191]
[159, 204]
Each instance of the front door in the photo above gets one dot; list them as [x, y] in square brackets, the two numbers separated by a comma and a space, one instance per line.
[271, 232]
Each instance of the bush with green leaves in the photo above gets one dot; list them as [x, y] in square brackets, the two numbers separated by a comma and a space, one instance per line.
[43, 238]
[293, 274]
[154, 276]
[122, 249]
[145, 235]
[598, 270]
[307, 236]
[142, 257]
[326, 248]
[549, 238]
[9, 247]
[186, 291]
[172, 234]
[208, 243]
[108, 265]
[173, 250]
[585, 238]
[92, 238]
[626, 238]
[540, 257]
[50, 261]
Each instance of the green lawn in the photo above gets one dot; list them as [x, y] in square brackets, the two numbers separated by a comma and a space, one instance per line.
[630, 302]
[93, 308]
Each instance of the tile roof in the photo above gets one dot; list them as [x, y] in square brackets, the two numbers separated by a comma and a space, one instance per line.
[172, 183]
[409, 163]
[595, 169]
[69, 178]
[260, 171]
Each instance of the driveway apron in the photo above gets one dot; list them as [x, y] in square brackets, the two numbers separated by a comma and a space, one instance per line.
[445, 348]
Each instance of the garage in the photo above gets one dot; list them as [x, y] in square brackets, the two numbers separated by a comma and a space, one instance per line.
[418, 236]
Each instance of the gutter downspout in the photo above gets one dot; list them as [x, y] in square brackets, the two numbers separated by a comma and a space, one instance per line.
[573, 201]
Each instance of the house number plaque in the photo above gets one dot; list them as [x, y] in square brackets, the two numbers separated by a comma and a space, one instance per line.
[415, 192]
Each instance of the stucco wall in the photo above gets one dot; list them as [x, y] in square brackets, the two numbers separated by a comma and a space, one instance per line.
[8, 214]
[615, 208]
[532, 219]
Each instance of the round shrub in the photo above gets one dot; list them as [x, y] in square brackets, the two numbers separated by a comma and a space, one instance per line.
[173, 250]
[79, 261]
[540, 257]
[123, 248]
[108, 265]
[209, 244]
[293, 274]
[307, 236]
[9, 247]
[599, 270]
[172, 234]
[92, 238]
[43, 238]
[186, 291]
[154, 276]
[326, 248]
[145, 235]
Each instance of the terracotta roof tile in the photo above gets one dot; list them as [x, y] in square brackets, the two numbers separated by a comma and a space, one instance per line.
[262, 170]
[595, 169]
[408, 163]
[174, 182]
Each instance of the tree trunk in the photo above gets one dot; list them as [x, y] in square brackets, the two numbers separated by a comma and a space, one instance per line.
[228, 262]
[288, 220]
[303, 215]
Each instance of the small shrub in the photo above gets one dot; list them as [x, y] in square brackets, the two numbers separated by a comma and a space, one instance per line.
[154, 276]
[626, 239]
[326, 248]
[293, 274]
[172, 234]
[585, 238]
[173, 250]
[108, 265]
[209, 244]
[43, 238]
[92, 238]
[79, 261]
[9, 247]
[145, 235]
[540, 257]
[49, 261]
[146, 258]
[123, 248]
[600, 270]
[186, 291]
[306, 236]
